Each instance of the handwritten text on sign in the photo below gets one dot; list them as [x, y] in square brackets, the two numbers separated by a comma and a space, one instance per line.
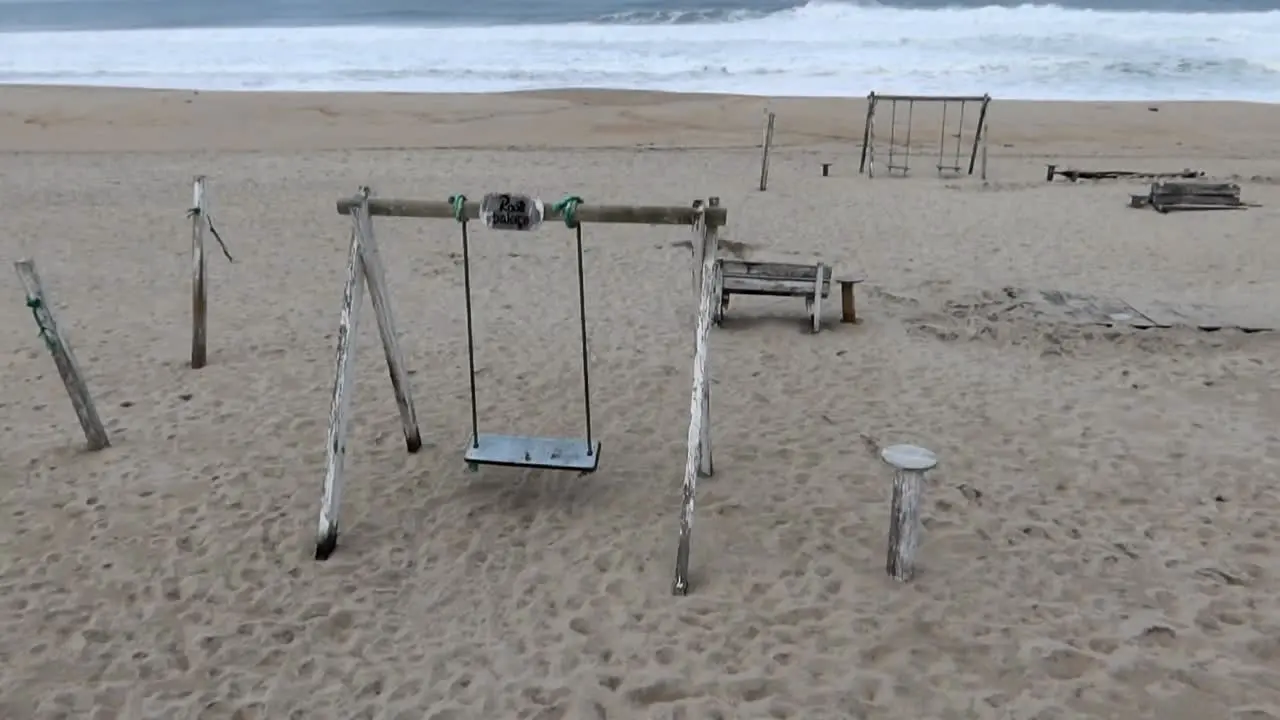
[507, 211]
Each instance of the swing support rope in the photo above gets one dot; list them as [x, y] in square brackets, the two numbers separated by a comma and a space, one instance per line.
[567, 207]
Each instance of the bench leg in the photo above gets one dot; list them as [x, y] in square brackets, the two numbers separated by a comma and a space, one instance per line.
[817, 299]
[848, 311]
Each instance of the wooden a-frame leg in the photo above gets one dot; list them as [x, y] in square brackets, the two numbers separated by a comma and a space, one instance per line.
[376, 278]
[699, 438]
[340, 404]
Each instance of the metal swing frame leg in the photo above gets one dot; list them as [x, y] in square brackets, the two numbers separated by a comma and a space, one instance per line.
[519, 450]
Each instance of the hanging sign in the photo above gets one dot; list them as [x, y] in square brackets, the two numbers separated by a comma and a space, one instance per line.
[508, 211]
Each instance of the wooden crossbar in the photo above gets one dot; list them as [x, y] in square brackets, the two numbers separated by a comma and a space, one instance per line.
[586, 213]
[930, 98]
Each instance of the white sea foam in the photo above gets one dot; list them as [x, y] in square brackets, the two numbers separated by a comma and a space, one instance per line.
[823, 48]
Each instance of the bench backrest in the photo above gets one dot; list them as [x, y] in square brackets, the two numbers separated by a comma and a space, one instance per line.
[772, 271]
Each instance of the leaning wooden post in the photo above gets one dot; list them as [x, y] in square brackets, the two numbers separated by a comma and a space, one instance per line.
[868, 136]
[340, 404]
[94, 432]
[376, 279]
[199, 306]
[910, 463]
[764, 157]
[982, 128]
[698, 458]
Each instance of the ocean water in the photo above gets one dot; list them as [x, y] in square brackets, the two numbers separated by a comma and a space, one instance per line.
[1075, 49]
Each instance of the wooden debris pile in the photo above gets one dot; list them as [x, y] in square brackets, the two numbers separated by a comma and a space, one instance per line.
[1179, 196]
[1053, 171]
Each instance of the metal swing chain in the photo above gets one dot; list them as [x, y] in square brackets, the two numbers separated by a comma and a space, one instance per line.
[459, 203]
[568, 207]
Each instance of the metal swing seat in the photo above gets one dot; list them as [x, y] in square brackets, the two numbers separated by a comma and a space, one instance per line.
[575, 454]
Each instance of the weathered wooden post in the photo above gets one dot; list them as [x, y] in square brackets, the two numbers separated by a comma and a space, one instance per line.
[94, 432]
[910, 463]
[768, 143]
[698, 459]
[199, 306]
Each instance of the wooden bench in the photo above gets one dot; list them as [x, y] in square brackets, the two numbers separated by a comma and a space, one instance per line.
[812, 282]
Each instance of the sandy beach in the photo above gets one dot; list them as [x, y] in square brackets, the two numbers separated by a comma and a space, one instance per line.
[1100, 539]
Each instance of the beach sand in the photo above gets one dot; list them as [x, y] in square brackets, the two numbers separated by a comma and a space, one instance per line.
[1100, 537]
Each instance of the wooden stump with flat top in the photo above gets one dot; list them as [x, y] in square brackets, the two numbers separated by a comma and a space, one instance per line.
[910, 463]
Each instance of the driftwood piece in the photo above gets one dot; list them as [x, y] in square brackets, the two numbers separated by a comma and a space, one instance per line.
[698, 460]
[1053, 171]
[910, 463]
[63, 358]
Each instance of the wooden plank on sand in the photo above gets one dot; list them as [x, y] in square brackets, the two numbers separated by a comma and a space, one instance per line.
[1206, 317]
[1090, 309]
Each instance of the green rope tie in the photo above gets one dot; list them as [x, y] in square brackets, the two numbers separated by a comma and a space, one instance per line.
[459, 203]
[45, 333]
[568, 207]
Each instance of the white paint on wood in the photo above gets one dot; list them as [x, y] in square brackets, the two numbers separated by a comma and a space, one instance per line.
[764, 156]
[376, 279]
[340, 404]
[697, 251]
[63, 357]
[199, 298]
[910, 464]
[909, 457]
[699, 450]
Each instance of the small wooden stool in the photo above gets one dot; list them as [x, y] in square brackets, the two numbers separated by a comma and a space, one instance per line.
[848, 309]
